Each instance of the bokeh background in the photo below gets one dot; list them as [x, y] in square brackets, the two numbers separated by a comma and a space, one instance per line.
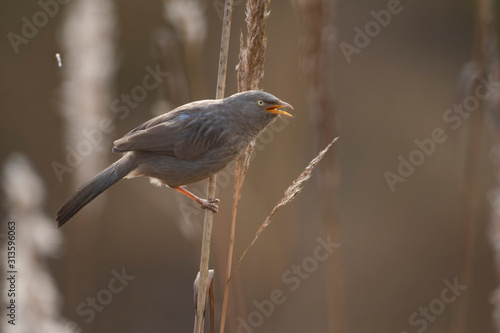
[396, 248]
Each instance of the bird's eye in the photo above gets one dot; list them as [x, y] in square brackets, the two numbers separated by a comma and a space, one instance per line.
[260, 102]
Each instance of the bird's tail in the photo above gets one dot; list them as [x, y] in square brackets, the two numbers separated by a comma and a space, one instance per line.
[94, 187]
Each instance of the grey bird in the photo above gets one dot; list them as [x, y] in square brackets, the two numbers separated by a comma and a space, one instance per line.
[184, 146]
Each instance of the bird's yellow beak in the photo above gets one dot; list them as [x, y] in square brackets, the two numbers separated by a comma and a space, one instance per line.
[274, 108]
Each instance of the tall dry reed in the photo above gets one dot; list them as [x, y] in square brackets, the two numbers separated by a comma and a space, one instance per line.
[211, 185]
[317, 54]
[249, 77]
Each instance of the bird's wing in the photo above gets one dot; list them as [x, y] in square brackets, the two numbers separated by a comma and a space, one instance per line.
[186, 133]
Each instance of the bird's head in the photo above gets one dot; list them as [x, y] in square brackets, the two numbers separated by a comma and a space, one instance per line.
[258, 104]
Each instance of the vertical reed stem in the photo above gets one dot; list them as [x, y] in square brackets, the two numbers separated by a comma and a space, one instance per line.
[211, 186]
[249, 77]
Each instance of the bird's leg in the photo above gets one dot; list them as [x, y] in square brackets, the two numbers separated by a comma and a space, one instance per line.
[204, 203]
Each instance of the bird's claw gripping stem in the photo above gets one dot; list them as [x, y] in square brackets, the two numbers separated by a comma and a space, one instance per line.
[210, 204]
[204, 203]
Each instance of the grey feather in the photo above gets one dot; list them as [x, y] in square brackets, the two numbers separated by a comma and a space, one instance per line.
[183, 146]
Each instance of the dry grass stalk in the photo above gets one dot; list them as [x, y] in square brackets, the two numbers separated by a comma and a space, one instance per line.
[249, 77]
[318, 43]
[242, 164]
[290, 194]
[211, 185]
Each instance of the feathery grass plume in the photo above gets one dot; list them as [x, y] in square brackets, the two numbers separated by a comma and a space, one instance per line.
[485, 64]
[291, 193]
[250, 72]
[88, 39]
[317, 46]
[253, 52]
[37, 298]
[188, 19]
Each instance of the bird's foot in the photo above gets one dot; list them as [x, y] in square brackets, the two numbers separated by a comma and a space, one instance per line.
[204, 203]
[210, 204]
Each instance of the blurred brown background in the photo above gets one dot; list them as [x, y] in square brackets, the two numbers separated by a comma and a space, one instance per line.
[396, 248]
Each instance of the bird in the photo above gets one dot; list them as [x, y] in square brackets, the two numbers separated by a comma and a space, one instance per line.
[184, 146]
